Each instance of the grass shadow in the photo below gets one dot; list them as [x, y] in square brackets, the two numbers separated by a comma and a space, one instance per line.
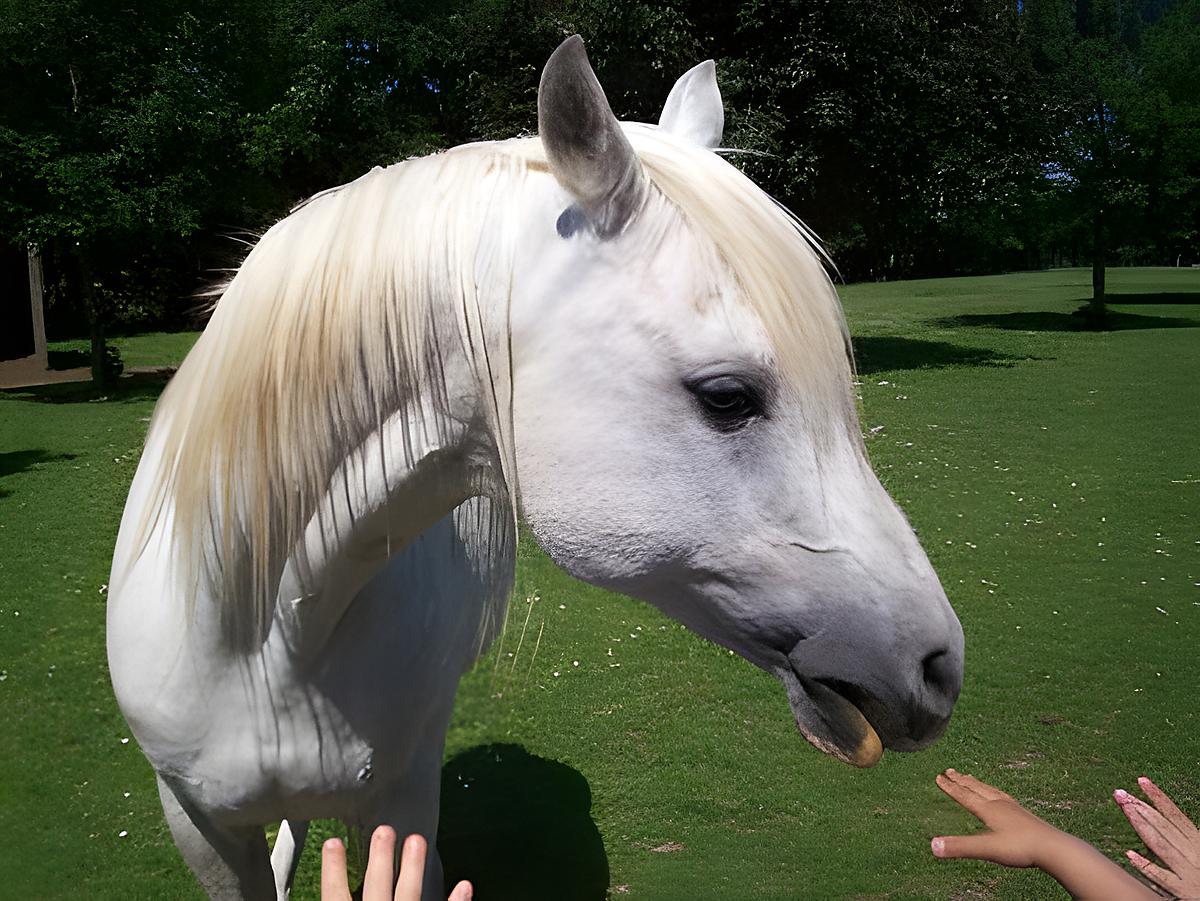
[13, 462]
[1166, 298]
[887, 354]
[519, 827]
[1079, 321]
[136, 387]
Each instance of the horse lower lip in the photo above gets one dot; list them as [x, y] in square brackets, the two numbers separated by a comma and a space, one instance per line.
[835, 724]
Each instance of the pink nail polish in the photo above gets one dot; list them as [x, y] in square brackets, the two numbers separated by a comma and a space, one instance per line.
[938, 846]
[1122, 797]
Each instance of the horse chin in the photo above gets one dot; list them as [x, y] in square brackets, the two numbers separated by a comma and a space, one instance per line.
[830, 722]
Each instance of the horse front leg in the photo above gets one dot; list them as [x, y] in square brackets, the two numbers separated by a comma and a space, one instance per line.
[230, 864]
[411, 805]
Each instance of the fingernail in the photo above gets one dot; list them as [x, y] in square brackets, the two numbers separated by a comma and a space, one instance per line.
[939, 847]
[1144, 781]
[1121, 796]
[951, 772]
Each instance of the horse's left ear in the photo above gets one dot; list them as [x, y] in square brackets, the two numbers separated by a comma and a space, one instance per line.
[693, 110]
[587, 151]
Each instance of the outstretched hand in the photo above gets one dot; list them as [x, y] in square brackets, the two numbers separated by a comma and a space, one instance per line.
[1169, 834]
[1016, 837]
[378, 883]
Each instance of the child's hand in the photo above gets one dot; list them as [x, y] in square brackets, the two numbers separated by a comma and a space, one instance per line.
[1017, 837]
[1169, 834]
[378, 883]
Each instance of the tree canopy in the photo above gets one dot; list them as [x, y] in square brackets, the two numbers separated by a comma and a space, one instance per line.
[917, 138]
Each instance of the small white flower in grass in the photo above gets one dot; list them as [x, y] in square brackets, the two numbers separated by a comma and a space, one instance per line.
[104, 588]
[124, 741]
[562, 606]
[885, 382]
[557, 674]
[574, 663]
[126, 794]
[122, 833]
[1160, 610]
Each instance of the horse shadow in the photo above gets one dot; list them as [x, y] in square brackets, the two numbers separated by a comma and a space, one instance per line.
[519, 826]
[892, 353]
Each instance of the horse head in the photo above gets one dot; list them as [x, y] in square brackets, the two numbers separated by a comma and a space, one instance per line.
[685, 426]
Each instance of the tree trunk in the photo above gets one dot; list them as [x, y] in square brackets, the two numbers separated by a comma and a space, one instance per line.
[1096, 308]
[35, 301]
[99, 351]
[95, 320]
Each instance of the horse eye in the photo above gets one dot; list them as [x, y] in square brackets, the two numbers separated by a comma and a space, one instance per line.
[728, 402]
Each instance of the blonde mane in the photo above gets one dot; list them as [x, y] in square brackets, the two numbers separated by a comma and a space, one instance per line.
[327, 330]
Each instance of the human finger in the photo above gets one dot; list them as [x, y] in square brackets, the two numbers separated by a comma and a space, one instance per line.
[462, 892]
[334, 886]
[412, 869]
[1158, 875]
[1160, 836]
[1167, 807]
[981, 788]
[983, 846]
[964, 794]
[377, 884]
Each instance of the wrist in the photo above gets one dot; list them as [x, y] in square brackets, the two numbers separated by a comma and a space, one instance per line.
[1052, 846]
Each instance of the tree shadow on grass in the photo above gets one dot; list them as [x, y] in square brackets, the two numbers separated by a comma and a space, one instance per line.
[519, 827]
[1166, 298]
[887, 354]
[136, 387]
[1081, 320]
[13, 462]
[68, 359]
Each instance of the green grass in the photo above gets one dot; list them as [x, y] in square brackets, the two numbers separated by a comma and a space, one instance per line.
[1053, 477]
[154, 349]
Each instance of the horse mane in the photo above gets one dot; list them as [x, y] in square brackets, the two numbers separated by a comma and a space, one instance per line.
[327, 328]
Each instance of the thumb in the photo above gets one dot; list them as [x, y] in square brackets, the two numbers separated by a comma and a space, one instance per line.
[976, 847]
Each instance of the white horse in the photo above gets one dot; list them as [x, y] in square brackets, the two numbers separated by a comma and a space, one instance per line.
[608, 328]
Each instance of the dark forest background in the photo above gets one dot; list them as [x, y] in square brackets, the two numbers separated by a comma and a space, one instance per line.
[140, 138]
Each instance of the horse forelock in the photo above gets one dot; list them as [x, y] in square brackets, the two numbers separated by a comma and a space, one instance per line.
[777, 261]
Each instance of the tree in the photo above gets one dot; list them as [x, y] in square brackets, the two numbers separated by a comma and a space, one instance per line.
[892, 127]
[112, 117]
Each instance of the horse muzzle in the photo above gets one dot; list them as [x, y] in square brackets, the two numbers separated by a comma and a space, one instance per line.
[852, 701]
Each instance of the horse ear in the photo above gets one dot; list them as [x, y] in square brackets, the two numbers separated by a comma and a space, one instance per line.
[693, 110]
[588, 153]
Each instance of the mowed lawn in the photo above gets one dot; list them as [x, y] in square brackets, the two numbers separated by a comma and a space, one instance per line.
[1052, 473]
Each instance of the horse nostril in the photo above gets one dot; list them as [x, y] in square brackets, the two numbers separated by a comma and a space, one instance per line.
[937, 669]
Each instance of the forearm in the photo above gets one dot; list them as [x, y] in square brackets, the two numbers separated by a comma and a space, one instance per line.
[1088, 875]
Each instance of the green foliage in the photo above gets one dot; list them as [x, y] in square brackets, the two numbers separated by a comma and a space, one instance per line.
[915, 137]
